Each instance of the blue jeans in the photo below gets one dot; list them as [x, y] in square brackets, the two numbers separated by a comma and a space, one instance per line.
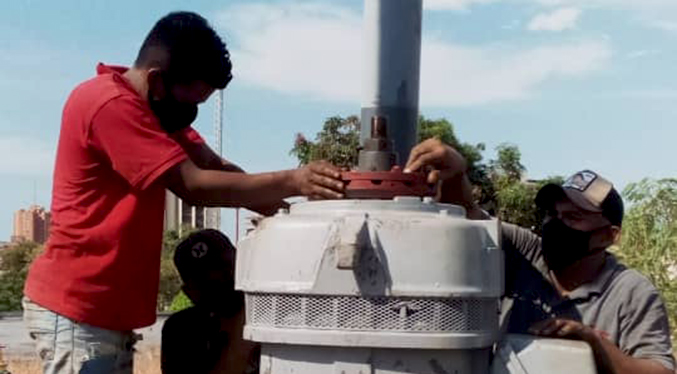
[68, 347]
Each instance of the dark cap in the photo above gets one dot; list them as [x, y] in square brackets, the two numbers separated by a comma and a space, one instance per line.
[588, 191]
[204, 251]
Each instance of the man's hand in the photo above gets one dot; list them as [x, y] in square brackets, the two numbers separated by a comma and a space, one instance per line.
[448, 169]
[608, 357]
[565, 328]
[444, 161]
[318, 180]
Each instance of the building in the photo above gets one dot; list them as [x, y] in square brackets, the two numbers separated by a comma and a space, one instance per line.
[180, 215]
[31, 224]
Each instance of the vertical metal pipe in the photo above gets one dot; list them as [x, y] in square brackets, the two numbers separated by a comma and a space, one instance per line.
[392, 64]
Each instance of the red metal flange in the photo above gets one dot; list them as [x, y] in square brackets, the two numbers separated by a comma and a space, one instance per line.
[385, 184]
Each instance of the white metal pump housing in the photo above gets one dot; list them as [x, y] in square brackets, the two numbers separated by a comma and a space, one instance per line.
[369, 283]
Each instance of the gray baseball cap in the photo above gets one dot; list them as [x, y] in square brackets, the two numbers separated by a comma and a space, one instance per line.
[588, 191]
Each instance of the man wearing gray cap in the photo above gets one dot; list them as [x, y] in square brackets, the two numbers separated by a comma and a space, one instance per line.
[566, 284]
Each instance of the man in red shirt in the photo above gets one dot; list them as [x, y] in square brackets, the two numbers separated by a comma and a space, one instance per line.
[125, 138]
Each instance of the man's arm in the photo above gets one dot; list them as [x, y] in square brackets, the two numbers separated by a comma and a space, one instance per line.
[202, 187]
[609, 358]
[205, 158]
[237, 355]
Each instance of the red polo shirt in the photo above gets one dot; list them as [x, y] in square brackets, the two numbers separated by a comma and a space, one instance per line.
[101, 264]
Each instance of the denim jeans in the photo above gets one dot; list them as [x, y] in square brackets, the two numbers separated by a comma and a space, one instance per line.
[68, 347]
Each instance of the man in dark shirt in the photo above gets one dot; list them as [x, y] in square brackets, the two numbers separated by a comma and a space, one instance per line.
[207, 338]
[566, 284]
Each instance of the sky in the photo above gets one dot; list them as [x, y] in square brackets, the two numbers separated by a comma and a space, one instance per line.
[575, 84]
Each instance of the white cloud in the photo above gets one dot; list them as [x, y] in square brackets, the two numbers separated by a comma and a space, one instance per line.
[558, 20]
[653, 13]
[661, 14]
[635, 4]
[452, 4]
[512, 25]
[670, 26]
[455, 75]
[315, 51]
[654, 94]
[25, 156]
[640, 53]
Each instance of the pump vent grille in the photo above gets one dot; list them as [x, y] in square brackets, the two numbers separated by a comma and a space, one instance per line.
[431, 315]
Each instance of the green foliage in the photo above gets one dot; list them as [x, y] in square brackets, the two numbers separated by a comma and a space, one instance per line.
[508, 164]
[514, 197]
[478, 172]
[180, 302]
[14, 264]
[337, 143]
[339, 140]
[516, 204]
[440, 128]
[649, 238]
[515, 200]
[170, 281]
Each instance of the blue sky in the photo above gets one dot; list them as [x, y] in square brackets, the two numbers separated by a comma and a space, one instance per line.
[575, 84]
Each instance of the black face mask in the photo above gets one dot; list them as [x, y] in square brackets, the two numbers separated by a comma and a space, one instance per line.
[563, 246]
[172, 114]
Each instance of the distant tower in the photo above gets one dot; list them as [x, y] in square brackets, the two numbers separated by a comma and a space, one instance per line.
[180, 215]
[214, 214]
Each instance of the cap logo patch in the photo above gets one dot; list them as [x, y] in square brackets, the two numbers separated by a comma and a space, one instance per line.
[580, 181]
[199, 250]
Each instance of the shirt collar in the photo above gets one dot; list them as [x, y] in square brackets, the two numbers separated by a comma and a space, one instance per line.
[102, 68]
[601, 281]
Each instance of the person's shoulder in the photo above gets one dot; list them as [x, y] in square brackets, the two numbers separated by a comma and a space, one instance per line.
[103, 85]
[632, 286]
[631, 279]
[103, 90]
[513, 231]
[521, 239]
[186, 319]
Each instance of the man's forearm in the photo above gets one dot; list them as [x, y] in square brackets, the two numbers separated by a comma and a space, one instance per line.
[611, 360]
[230, 189]
[205, 158]
[458, 191]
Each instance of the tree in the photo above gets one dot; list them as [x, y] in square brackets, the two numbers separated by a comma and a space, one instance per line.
[649, 238]
[515, 201]
[508, 164]
[170, 281]
[339, 140]
[337, 143]
[14, 264]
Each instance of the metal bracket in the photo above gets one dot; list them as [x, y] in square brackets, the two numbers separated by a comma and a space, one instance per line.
[352, 238]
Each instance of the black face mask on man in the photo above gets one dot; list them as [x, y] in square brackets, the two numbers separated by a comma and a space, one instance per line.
[172, 114]
[563, 245]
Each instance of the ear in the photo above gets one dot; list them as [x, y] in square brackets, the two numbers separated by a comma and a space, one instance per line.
[616, 234]
[156, 85]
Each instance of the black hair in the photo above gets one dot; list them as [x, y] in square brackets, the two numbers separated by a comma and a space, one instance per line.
[187, 48]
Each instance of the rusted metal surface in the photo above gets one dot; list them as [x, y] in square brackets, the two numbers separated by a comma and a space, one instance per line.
[377, 150]
[385, 184]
